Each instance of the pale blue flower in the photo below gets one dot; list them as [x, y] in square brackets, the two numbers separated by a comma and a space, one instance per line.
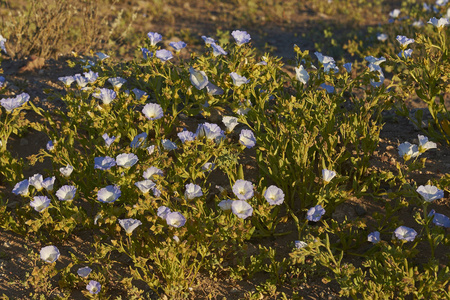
[175, 219]
[441, 2]
[238, 80]
[225, 205]
[382, 37]
[408, 150]
[217, 50]
[374, 60]
[241, 209]
[145, 186]
[210, 131]
[117, 82]
[186, 136]
[40, 203]
[48, 183]
[439, 219]
[168, 144]
[374, 237]
[152, 171]
[243, 189]
[139, 140]
[12, 103]
[126, 160]
[102, 56]
[66, 193]
[348, 67]
[377, 69]
[327, 175]
[104, 163]
[153, 111]
[66, 171]
[301, 74]
[315, 213]
[91, 76]
[327, 62]
[2, 81]
[192, 191]
[405, 53]
[108, 140]
[138, 93]
[178, 45]
[146, 53]
[36, 180]
[430, 193]
[300, 244]
[208, 40]
[81, 80]
[21, 188]
[213, 89]
[50, 146]
[328, 88]
[163, 211]
[106, 95]
[274, 195]
[164, 55]
[109, 194]
[405, 233]
[241, 37]
[94, 287]
[129, 225]
[247, 138]
[404, 41]
[154, 37]
[67, 80]
[84, 272]
[198, 78]
[49, 254]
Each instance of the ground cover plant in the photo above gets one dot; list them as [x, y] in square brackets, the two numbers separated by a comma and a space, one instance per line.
[220, 171]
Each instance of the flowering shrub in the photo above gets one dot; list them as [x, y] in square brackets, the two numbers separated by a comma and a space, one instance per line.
[128, 166]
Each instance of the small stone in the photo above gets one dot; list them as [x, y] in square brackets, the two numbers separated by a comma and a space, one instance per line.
[23, 142]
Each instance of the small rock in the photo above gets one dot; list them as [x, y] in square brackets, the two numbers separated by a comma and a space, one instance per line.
[23, 142]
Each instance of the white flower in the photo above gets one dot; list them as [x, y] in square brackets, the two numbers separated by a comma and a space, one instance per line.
[225, 204]
[117, 82]
[241, 209]
[382, 37]
[230, 122]
[49, 254]
[84, 272]
[152, 171]
[40, 203]
[198, 78]
[430, 193]
[374, 60]
[247, 138]
[145, 186]
[395, 13]
[424, 144]
[243, 189]
[408, 150]
[66, 171]
[129, 224]
[192, 191]
[301, 74]
[48, 183]
[238, 80]
[37, 181]
[126, 160]
[153, 111]
[376, 68]
[274, 195]
[327, 175]
[66, 192]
